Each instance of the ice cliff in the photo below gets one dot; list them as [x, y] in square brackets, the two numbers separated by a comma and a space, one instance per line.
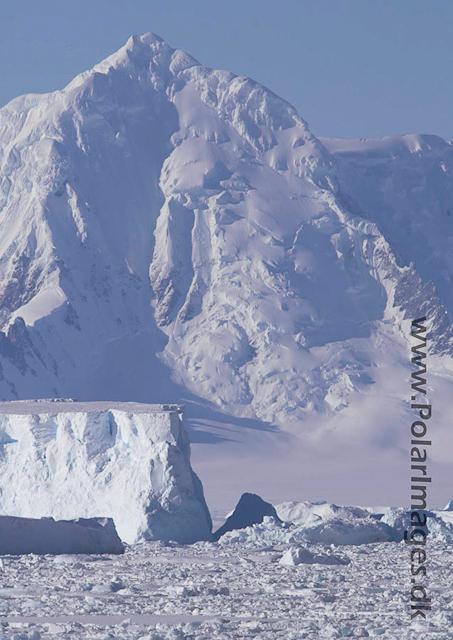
[126, 461]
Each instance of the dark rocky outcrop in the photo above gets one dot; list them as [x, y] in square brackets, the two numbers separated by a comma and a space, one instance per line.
[251, 509]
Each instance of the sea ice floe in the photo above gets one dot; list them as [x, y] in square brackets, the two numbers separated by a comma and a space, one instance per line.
[46, 536]
[300, 555]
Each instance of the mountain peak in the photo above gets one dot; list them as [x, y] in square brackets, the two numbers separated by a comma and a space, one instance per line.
[136, 47]
[154, 190]
[148, 40]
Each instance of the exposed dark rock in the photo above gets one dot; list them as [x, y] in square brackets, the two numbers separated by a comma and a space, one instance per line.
[251, 509]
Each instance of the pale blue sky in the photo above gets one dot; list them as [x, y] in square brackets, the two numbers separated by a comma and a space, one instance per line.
[352, 68]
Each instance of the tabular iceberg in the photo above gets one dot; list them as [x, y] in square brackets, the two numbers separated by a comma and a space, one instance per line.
[127, 461]
[47, 536]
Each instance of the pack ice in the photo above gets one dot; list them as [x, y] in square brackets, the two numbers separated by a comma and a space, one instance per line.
[330, 524]
[126, 461]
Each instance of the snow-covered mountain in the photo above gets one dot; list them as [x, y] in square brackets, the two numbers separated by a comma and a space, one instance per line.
[169, 227]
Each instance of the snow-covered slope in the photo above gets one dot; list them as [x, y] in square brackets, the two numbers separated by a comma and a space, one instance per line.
[126, 461]
[169, 231]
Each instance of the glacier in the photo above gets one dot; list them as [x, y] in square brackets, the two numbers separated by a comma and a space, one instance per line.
[125, 461]
[172, 232]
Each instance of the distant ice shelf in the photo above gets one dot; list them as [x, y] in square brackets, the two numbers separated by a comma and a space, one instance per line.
[126, 461]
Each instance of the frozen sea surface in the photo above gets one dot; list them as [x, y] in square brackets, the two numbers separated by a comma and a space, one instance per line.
[169, 591]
